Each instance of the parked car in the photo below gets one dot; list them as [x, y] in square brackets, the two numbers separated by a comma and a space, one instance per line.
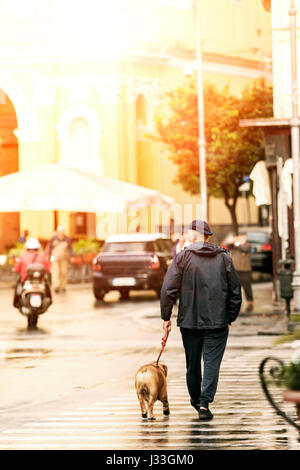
[131, 262]
[260, 240]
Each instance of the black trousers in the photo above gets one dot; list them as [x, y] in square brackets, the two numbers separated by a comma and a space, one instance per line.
[209, 345]
[245, 278]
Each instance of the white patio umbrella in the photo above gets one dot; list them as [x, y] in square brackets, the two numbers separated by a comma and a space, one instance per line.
[53, 186]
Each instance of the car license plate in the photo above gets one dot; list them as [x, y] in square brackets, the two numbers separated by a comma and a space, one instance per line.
[35, 300]
[123, 281]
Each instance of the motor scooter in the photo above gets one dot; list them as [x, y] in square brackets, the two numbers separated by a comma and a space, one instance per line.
[35, 294]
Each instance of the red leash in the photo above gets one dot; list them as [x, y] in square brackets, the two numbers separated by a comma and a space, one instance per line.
[163, 343]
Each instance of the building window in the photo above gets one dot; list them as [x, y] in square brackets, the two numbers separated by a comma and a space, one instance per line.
[80, 223]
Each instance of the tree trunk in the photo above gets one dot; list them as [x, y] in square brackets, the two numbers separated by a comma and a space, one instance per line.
[232, 210]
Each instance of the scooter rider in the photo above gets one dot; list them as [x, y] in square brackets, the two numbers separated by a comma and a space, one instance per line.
[30, 256]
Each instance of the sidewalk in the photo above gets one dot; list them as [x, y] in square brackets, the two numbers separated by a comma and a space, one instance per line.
[270, 313]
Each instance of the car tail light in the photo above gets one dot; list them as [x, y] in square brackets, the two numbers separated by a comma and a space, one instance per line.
[267, 247]
[96, 266]
[155, 262]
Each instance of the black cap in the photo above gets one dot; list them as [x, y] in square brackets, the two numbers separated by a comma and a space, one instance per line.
[200, 226]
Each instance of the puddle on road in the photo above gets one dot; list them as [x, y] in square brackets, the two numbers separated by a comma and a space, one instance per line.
[16, 354]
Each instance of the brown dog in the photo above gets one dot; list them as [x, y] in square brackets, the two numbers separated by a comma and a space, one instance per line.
[151, 385]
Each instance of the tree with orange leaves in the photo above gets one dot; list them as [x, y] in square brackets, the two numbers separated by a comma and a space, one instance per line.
[231, 151]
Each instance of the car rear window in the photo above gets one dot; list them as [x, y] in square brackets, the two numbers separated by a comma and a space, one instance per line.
[257, 237]
[123, 247]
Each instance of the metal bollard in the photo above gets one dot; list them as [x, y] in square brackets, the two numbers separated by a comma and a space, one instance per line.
[285, 280]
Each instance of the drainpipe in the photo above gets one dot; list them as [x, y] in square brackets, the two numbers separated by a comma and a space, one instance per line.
[201, 142]
[295, 123]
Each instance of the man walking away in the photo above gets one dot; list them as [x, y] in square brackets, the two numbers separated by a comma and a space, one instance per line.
[60, 250]
[209, 301]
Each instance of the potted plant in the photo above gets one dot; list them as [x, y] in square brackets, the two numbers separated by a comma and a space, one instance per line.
[81, 267]
[85, 251]
[290, 378]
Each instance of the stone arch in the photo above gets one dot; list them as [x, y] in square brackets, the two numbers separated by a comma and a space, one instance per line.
[9, 163]
[27, 129]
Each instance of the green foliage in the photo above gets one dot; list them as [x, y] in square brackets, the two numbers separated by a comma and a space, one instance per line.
[82, 247]
[231, 151]
[290, 376]
[288, 338]
[16, 251]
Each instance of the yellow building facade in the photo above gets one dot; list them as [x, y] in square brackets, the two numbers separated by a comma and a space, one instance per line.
[81, 83]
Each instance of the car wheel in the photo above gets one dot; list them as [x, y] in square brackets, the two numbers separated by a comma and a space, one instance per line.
[124, 294]
[99, 294]
[32, 321]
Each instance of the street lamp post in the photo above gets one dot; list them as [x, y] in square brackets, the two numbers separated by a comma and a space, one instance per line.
[201, 132]
[295, 123]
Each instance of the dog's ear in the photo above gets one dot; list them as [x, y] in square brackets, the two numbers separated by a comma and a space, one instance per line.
[165, 368]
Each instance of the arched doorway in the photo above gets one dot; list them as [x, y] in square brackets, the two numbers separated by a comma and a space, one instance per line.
[9, 163]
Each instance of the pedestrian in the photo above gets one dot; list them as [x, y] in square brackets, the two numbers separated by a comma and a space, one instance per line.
[241, 257]
[61, 252]
[32, 255]
[23, 237]
[209, 291]
[182, 243]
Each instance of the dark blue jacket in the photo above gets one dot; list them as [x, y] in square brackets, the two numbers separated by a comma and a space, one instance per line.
[209, 290]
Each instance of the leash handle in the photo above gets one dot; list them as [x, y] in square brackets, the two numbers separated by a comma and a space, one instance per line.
[163, 343]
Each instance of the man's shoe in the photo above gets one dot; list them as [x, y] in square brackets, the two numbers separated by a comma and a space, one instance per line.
[195, 405]
[205, 414]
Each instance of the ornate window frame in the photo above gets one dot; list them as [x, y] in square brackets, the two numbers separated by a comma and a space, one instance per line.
[63, 128]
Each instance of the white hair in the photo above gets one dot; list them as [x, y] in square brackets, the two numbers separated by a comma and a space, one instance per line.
[195, 236]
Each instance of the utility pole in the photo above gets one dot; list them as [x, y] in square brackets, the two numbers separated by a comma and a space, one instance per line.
[201, 142]
[295, 123]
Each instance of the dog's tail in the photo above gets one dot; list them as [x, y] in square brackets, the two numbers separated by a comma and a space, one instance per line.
[142, 386]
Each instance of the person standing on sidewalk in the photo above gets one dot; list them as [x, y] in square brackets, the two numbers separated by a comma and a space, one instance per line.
[209, 292]
[241, 257]
[61, 252]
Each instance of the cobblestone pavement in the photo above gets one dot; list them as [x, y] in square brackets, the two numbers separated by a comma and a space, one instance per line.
[243, 419]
